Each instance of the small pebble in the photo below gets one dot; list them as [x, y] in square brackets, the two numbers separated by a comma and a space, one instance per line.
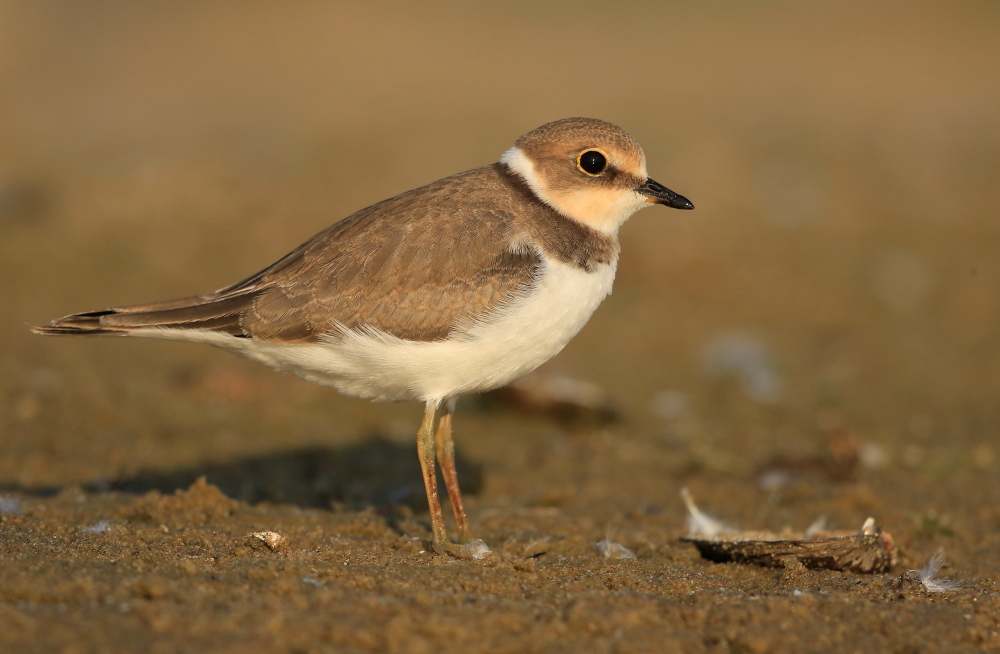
[272, 540]
[10, 506]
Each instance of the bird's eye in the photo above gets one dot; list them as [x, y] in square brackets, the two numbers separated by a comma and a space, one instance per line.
[592, 162]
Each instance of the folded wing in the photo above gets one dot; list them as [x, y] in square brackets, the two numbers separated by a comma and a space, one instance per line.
[415, 267]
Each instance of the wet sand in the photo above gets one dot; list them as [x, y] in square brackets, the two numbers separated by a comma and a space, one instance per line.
[820, 338]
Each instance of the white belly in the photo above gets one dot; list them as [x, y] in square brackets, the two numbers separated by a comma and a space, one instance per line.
[480, 357]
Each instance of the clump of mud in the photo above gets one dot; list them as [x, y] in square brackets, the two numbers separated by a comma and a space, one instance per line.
[200, 504]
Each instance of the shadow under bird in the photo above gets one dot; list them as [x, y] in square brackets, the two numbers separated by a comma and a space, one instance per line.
[460, 286]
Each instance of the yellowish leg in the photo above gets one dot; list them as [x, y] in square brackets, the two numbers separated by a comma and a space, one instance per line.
[425, 450]
[446, 457]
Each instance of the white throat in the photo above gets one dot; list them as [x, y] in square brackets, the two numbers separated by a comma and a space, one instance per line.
[601, 209]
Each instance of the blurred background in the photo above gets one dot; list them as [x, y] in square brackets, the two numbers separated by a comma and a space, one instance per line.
[839, 281]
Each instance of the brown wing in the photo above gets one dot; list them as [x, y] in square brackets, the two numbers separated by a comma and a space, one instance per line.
[413, 266]
[205, 312]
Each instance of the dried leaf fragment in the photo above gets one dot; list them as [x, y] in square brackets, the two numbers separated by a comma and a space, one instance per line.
[869, 550]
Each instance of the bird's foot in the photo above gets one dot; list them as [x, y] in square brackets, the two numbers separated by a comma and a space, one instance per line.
[465, 536]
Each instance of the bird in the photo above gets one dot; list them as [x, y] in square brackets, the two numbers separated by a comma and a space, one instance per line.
[460, 286]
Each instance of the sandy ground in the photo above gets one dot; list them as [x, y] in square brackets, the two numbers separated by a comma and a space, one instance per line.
[821, 337]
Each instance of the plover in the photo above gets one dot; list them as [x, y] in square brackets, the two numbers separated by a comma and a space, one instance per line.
[460, 286]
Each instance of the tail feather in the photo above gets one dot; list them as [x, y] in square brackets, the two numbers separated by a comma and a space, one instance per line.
[198, 313]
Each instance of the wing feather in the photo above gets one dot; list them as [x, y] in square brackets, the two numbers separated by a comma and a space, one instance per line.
[414, 266]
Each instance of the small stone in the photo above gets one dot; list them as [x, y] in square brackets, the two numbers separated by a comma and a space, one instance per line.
[10, 506]
[102, 527]
[271, 540]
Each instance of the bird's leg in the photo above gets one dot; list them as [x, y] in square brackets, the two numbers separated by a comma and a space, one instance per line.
[425, 450]
[476, 549]
[446, 457]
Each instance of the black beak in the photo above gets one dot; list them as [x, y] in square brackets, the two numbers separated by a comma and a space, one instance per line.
[660, 194]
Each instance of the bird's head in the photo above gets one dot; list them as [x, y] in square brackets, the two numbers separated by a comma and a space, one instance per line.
[588, 170]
